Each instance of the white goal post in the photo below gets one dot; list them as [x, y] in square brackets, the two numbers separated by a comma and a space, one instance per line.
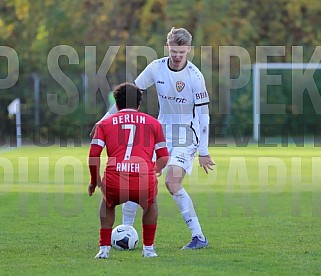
[257, 67]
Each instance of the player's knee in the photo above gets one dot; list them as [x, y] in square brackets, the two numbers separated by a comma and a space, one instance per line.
[172, 187]
[168, 186]
[154, 206]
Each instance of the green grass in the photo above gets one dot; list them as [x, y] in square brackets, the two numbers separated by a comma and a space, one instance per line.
[260, 210]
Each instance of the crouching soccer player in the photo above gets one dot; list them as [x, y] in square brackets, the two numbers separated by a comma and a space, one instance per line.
[130, 137]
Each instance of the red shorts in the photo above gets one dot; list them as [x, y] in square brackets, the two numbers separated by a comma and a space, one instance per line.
[142, 191]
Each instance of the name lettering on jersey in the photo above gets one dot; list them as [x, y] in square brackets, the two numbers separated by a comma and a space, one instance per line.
[129, 118]
[176, 99]
[201, 95]
[161, 82]
[127, 167]
[180, 86]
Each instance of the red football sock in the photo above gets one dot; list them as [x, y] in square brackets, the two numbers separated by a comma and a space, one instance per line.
[105, 236]
[149, 232]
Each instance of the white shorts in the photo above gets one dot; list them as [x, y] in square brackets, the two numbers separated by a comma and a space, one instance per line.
[182, 157]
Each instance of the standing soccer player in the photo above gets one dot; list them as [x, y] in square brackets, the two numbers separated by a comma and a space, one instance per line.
[184, 114]
[130, 137]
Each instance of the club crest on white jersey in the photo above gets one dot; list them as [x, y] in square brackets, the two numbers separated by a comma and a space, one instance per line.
[180, 86]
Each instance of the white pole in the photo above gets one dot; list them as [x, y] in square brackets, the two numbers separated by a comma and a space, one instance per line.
[18, 125]
[256, 102]
[36, 86]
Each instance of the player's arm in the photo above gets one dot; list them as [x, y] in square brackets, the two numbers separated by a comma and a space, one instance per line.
[162, 155]
[205, 159]
[95, 150]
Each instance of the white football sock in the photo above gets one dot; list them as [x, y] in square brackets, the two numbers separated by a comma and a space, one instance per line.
[148, 247]
[129, 212]
[185, 204]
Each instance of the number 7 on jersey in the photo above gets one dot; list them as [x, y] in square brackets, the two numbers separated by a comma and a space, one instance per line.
[132, 131]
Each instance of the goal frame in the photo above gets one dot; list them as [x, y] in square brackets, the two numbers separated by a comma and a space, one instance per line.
[257, 67]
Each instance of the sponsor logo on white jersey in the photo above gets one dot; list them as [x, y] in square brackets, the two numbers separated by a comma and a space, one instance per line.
[181, 158]
[171, 98]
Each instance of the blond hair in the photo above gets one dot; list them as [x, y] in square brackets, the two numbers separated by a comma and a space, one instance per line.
[179, 36]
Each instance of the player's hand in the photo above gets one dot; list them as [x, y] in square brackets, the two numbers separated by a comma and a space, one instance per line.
[158, 172]
[91, 189]
[206, 162]
[92, 132]
[99, 184]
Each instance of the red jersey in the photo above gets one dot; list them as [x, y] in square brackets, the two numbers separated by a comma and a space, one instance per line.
[130, 137]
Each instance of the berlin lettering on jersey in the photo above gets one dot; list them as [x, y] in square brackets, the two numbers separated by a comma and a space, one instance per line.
[129, 119]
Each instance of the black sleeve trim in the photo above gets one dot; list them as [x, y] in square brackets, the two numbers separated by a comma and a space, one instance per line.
[202, 104]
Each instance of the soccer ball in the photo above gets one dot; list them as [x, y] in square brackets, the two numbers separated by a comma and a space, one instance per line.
[124, 237]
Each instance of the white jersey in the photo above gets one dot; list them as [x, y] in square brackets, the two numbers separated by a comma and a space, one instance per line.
[178, 93]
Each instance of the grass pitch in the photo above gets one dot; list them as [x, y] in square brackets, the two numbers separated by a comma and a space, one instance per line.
[260, 210]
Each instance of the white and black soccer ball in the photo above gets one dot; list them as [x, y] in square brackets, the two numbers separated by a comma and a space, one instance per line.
[124, 237]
